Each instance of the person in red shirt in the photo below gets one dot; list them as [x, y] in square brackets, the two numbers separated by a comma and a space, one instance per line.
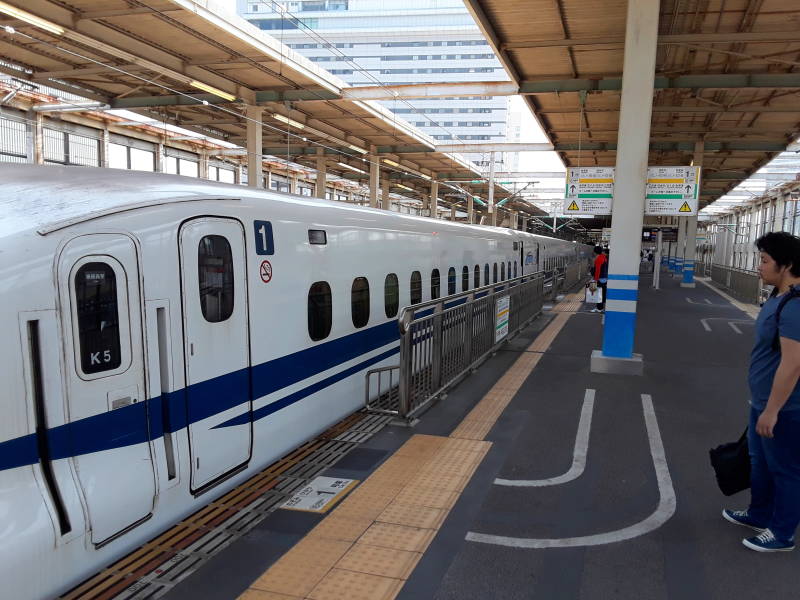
[600, 275]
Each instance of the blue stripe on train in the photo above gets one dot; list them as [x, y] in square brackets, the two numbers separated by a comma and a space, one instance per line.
[170, 413]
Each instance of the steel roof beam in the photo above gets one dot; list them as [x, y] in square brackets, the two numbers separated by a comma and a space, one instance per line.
[685, 38]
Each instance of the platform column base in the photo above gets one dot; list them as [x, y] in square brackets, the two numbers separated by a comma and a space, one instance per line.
[687, 285]
[613, 365]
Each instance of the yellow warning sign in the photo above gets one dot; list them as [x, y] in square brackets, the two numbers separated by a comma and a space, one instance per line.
[574, 206]
[685, 208]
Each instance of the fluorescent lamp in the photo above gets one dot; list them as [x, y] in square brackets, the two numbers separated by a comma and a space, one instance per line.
[346, 166]
[20, 14]
[288, 121]
[357, 149]
[405, 187]
[212, 90]
[391, 162]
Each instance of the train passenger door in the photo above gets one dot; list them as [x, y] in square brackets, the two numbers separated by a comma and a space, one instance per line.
[108, 432]
[217, 348]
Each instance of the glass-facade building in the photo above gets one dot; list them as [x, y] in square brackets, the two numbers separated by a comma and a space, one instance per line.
[392, 42]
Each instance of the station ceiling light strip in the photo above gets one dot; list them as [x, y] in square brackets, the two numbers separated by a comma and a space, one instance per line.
[212, 90]
[27, 17]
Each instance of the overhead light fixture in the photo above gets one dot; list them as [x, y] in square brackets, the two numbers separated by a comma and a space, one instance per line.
[17, 13]
[288, 121]
[391, 162]
[212, 90]
[346, 166]
[357, 149]
[405, 187]
[70, 107]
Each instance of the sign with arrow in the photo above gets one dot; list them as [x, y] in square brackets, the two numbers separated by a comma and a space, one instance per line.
[672, 191]
[589, 190]
[320, 495]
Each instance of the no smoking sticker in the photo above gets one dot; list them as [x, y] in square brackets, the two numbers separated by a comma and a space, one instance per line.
[266, 271]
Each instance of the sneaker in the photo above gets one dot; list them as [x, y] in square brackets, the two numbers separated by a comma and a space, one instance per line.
[740, 517]
[767, 542]
[594, 310]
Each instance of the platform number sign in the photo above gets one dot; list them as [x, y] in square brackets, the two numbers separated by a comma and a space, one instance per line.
[263, 233]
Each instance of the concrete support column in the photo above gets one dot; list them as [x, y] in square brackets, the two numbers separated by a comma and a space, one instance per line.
[690, 256]
[633, 141]
[322, 173]
[452, 212]
[293, 189]
[37, 138]
[255, 147]
[105, 139]
[492, 209]
[203, 170]
[386, 203]
[433, 200]
[349, 197]
[159, 158]
[470, 208]
[238, 174]
[374, 176]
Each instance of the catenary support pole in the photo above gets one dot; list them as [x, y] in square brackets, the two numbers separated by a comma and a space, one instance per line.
[492, 207]
[322, 174]
[374, 177]
[254, 147]
[433, 199]
[627, 217]
[691, 227]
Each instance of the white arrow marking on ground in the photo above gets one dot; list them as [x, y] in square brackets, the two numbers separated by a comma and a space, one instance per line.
[578, 457]
[664, 511]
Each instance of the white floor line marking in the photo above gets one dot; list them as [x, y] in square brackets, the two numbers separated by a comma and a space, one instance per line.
[734, 327]
[705, 325]
[663, 512]
[578, 457]
[708, 301]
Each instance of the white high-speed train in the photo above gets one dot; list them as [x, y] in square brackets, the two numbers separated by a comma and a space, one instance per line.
[166, 337]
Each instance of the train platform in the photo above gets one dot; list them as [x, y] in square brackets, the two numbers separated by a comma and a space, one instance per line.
[535, 478]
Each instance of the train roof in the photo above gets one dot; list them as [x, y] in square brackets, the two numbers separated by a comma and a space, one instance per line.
[47, 198]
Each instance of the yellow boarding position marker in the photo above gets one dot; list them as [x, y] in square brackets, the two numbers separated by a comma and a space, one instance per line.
[574, 206]
[685, 208]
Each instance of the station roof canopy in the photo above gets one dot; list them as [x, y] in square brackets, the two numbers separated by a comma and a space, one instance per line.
[177, 60]
[726, 74]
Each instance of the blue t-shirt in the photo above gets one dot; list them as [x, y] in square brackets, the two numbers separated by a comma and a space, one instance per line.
[764, 359]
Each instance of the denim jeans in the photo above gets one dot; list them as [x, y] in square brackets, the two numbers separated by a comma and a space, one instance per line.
[775, 474]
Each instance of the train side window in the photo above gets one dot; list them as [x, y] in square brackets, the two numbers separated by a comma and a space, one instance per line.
[465, 279]
[508, 270]
[98, 318]
[435, 284]
[477, 282]
[415, 288]
[215, 274]
[391, 295]
[359, 301]
[515, 269]
[320, 310]
[451, 281]
[486, 274]
[494, 274]
[502, 271]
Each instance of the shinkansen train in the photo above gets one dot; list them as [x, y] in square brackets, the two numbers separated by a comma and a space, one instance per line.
[166, 337]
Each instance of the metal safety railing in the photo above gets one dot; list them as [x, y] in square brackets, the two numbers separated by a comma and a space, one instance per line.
[742, 284]
[442, 340]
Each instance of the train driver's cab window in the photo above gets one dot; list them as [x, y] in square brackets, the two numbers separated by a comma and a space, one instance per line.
[464, 279]
[391, 295]
[415, 288]
[435, 284]
[494, 274]
[502, 271]
[451, 281]
[215, 274]
[359, 301]
[98, 318]
[477, 275]
[320, 310]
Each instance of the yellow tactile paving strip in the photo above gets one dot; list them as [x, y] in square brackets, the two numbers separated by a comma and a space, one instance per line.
[369, 545]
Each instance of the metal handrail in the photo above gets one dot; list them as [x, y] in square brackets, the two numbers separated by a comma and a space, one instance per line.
[743, 284]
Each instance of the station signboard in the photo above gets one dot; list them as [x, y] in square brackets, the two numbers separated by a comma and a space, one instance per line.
[672, 191]
[589, 191]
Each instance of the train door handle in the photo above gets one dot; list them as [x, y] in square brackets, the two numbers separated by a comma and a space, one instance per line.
[121, 402]
[120, 398]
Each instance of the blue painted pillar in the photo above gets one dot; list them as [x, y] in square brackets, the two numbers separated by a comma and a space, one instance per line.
[691, 252]
[627, 216]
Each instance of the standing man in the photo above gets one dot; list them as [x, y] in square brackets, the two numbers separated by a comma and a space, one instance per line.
[774, 433]
[600, 275]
